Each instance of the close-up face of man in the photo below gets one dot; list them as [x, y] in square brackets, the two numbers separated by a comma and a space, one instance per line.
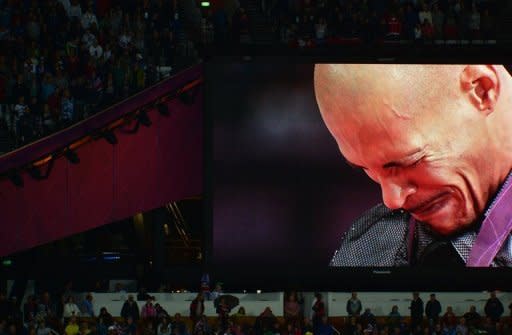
[430, 135]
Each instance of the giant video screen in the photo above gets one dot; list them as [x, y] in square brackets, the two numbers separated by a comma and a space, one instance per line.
[346, 166]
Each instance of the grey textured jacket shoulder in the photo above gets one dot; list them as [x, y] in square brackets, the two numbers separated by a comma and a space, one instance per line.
[380, 237]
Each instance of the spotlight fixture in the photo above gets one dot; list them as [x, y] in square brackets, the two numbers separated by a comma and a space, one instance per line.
[163, 109]
[187, 97]
[71, 156]
[35, 173]
[143, 118]
[15, 178]
[110, 137]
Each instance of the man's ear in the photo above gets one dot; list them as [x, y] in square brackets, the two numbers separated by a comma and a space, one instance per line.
[481, 85]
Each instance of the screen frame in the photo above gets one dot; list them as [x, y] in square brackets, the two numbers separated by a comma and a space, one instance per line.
[251, 278]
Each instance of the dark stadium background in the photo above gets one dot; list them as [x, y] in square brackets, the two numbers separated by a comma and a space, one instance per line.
[281, 190]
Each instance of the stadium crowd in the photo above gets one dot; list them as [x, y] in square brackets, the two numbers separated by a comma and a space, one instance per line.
[310, 23]
[63, 60]
[61, 314]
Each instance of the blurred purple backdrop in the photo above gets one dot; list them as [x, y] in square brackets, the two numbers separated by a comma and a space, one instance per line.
[281, 190]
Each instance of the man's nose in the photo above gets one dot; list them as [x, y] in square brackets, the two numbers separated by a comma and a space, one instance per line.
[395, 192]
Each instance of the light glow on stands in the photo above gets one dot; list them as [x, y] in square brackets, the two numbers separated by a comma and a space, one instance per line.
[205, 3]
[14, 174]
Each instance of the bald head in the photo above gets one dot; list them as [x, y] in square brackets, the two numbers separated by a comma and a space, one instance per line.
[394, 84]
[422, 132]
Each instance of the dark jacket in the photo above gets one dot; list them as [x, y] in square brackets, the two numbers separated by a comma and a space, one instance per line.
[417, 308]
[130, 310]
[193, 308]
[382, 237]
[493, 309]
[433, 309]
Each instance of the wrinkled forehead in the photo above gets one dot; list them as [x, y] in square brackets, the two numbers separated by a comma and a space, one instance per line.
[371, 106]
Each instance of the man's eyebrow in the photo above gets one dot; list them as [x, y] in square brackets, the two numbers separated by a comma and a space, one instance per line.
[399, 162]
[404, 160]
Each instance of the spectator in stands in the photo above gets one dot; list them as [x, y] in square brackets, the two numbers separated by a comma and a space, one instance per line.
[318, 310]
[292, 309]
[411, 20]
[43, 329]
[197, 308]
[474, 24]
[472, 317]
[394, 318]
[449, 318]
[30, 309]
[130, 309]
[489, 326]
[418, 34]
[368, 318]
[30, 129]
[102, 328]
[438, 18]
[161, 312]
[89, 19]
[164, 328]
[72, 327]
[354, 305]
[494, 308]
[265, 321]
[20, 89]
[350, 326]
[106, 317]
[88, 307]
[67, 111]
[307, 328]
[47, 308]
[432, 310]
[325, 328]
[462, 328]
[129, 327]
[5, 146]
[427, 30]
[19, 110]
[487, 25]
[416, 310]
[4, 306]
[95, 50]
[84, 328]
[148, 328]
[70, 308]
[148, 311]
[202, 327]
[321, 31]
[217, 292]
[359, 330]
[223, 313]
[179, 326]
[425, 14]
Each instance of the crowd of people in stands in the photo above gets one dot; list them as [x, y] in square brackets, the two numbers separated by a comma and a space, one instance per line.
[63, 60]
[318, 22]
[429, 319]
[46, 314]
[311, 23]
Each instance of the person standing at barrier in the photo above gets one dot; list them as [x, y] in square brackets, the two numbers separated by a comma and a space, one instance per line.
[416, 310]
[432, 310]
[354, 305]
